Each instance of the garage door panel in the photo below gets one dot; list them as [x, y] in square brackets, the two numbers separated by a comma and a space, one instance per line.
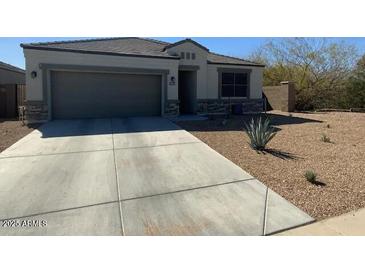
[104, 95]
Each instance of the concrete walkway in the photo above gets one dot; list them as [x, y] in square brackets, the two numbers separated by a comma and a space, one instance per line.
[350, 224]
[136, 176]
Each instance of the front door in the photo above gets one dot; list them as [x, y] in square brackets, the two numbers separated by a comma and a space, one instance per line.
[187, 92]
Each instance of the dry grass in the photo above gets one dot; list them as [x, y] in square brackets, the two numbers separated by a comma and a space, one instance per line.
[297, 147]
[11, 131]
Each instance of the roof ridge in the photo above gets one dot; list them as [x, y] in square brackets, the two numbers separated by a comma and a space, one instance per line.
[153, 40]
[125, 45]
[240, 59]
[186, 40]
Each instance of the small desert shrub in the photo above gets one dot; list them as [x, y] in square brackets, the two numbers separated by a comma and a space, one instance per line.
[328, 126]
[260, 132]
[311, 176]
[325, 138]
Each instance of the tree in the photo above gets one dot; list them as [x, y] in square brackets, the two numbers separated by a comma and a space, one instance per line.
[319, 68]
[355, 92]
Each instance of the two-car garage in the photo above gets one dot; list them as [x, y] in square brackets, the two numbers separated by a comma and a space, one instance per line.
[76, 94]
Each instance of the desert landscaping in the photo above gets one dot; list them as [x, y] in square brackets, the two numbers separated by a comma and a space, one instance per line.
[298, 146]
[11, 130]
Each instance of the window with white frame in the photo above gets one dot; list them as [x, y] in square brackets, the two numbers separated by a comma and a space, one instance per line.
[234, 84]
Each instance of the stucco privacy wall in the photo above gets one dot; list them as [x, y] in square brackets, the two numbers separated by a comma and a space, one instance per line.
[35, 57]
[281, 97]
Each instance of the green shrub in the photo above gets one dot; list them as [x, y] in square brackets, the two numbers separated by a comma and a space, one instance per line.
[260, 132]
[311, 176]
[325, 138]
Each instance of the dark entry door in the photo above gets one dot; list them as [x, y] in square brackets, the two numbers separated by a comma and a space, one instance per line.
[187, 92]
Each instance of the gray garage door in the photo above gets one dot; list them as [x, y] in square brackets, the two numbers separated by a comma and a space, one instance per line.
[103, 95]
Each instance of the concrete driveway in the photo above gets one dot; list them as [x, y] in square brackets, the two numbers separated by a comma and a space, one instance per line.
[135, 176]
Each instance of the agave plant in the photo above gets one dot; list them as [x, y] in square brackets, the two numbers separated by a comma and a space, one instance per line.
[260, 132]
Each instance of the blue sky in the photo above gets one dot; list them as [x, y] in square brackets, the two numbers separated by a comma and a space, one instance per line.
[11, 52]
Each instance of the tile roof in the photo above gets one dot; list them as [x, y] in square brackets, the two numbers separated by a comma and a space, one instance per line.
[114, 46]
[10, 67]
[186, 40]
[215, 58]
[131, 46]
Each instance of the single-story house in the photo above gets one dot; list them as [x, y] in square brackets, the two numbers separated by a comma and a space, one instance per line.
[12, 90]
[11, 75]
[122, 77]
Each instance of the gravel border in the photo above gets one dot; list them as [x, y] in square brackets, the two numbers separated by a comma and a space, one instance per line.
[297, 147]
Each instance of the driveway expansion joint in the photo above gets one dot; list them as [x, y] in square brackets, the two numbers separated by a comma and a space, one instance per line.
[117, 183]
[188, 189]
[162, 145]
[290, 228]
[97, 150]
[125, 200]
[265, 211]
[59, 210]
[55, 154]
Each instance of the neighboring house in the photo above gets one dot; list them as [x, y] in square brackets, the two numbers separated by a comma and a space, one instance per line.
[11, 75]
[12, 90]
[121, 77]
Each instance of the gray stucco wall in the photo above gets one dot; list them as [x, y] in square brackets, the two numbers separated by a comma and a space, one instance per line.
[207, 75]
[200, 61]
[36, 57]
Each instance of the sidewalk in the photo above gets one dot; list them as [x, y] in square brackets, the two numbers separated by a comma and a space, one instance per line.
[350, 224]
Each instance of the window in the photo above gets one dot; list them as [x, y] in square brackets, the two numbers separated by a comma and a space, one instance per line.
[234, 84]
[193, 56]
[188, 55]
[182, 55]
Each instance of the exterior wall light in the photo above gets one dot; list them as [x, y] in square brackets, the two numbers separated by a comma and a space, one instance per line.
[172, 81]
[33, 74]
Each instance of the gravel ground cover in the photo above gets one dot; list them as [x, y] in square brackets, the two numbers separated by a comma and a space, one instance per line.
[11, 131]
[298, 147]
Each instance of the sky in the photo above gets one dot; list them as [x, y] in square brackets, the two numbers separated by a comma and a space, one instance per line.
[11, 52]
